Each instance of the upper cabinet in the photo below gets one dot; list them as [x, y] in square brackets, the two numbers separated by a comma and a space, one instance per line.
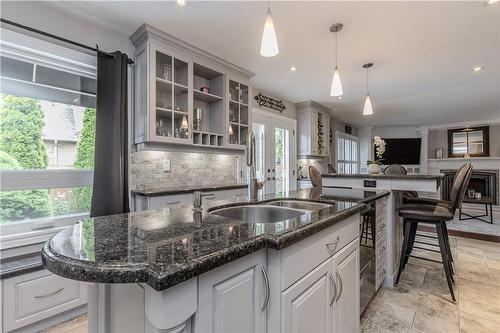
[313, 128]
[186, 96]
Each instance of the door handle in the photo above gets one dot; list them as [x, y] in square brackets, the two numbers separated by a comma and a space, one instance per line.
[333, 286]
[266, 287]
[173, 203]
[334, 244]
[341, 288]
[49, 294]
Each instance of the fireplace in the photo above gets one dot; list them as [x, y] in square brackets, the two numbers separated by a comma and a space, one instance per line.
[483, 181]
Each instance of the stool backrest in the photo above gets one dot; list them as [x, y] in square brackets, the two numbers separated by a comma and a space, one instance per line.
[459, 185]
[315, 176]
[395, 169]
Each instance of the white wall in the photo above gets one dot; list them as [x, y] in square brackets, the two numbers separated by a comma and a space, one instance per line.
[290, 111]
[41, 16]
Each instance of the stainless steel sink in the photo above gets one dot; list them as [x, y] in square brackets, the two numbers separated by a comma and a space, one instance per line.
[296, 204]
[259, 213]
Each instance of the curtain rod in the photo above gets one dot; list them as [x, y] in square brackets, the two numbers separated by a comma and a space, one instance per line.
[95, 49]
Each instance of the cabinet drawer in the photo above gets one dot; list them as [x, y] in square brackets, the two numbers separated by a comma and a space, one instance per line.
[39, 295]
[302, 257]
[214, 196]
[381, 206]
[380, 221]
[171, 201]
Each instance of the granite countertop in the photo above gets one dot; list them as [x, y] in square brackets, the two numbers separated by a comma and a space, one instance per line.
[181, 190]
[382, 176]
[165, 247]
[14, 266]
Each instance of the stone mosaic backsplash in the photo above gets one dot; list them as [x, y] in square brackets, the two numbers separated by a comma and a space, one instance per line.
[186, 170]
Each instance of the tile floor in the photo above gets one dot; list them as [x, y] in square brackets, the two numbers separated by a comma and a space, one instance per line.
[476, 226]
[421, 302]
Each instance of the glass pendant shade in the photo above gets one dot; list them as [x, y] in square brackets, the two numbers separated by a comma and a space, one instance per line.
[231, 130]
[184, 124]
[269, 44]
[336, 89]
[367, 109]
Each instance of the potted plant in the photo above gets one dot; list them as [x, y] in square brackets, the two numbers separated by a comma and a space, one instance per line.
[374, 166]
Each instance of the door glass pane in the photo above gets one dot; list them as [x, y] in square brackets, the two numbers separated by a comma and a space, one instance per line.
[260, 157]
[281, 161]
[340, 147]
[347, 150]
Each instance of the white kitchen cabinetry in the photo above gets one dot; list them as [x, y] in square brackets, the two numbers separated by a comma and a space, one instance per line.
[182, 96]
[307, 305]
[313, 128]
[232, 298]
[346, 307]
[30, 298]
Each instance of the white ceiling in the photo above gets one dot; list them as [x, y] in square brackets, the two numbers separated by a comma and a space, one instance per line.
[423, 51]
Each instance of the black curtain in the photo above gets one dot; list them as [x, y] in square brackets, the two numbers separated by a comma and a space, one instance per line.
[110, 189]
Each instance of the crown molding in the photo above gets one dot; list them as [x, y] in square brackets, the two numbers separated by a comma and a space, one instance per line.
[146, 31]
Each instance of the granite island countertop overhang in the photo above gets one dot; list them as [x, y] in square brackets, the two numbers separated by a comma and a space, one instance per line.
[165, 247]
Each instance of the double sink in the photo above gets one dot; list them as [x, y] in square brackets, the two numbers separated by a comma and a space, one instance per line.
[271, 212]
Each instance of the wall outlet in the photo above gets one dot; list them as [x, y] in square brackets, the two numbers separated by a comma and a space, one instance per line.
[166, 166]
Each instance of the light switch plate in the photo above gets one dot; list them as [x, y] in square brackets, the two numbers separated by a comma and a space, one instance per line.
[166, 165]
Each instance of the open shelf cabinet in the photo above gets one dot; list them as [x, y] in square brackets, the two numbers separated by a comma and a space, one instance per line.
[183, 94]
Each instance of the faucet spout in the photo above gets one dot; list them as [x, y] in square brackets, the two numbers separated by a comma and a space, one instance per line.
[253, 184]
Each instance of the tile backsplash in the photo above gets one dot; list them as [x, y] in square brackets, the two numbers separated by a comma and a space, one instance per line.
[186, 169]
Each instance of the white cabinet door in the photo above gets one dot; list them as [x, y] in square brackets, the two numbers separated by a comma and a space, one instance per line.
[346, 317]
[170, 201]
[232, 297]
[306, 305]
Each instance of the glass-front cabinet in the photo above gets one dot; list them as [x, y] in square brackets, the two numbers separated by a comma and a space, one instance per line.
[172, 107]
[186, 96]
[238, 114]
[468, 142]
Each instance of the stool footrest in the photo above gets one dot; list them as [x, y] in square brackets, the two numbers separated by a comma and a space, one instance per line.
[422, 258]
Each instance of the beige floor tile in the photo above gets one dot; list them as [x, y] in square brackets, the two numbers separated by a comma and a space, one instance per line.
[480, 299]
[470, 323]
[475, 271]
[380, 322]
[431, 324]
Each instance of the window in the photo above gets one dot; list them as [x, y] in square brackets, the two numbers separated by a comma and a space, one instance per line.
[468, 141]
[347, 153]
[47, 134]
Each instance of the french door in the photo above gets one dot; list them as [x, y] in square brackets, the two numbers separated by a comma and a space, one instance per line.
[275, 150]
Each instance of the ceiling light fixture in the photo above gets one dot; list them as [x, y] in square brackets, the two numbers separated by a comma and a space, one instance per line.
[269, 43]
[336, 88]
[492, 2]
[367, 109]
[293, 68]
[478, 68]
[181, 2]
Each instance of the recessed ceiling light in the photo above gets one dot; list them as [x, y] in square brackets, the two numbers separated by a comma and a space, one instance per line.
[293, 68]
[492, 2]
[181, 2]
[339, 97]
[478, 68]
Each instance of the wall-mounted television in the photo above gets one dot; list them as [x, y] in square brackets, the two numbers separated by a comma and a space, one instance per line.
[402, 151]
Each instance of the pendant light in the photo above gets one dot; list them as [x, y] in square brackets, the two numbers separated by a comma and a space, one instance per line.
[336, 88]
[367, 109]
[269, 43]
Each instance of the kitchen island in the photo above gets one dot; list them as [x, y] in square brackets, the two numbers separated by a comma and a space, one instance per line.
[396, 184]
[185, 271]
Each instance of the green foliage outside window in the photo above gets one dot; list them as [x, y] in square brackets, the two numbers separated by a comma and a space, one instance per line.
[85, 159]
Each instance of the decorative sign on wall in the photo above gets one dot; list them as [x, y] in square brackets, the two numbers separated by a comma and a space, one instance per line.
[270, 103]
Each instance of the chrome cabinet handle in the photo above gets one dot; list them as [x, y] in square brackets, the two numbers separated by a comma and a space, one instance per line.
[266, 285]
[210, 196]
[341, 288]
[334, 244]
[333, 286]
[50, 294]
[173, 203]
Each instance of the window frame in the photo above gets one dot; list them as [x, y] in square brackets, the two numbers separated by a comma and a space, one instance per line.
[350, 162]
[41, 52]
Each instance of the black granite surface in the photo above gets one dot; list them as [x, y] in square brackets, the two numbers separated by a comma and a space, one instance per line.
[382, 176]
[165, 247]
[19, 265]
[182, 190]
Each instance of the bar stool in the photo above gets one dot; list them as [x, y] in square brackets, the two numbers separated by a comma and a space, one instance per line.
[437, 214]
[414, 199]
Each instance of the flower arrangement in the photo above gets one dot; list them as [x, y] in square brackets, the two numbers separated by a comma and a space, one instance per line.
[379, 150]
